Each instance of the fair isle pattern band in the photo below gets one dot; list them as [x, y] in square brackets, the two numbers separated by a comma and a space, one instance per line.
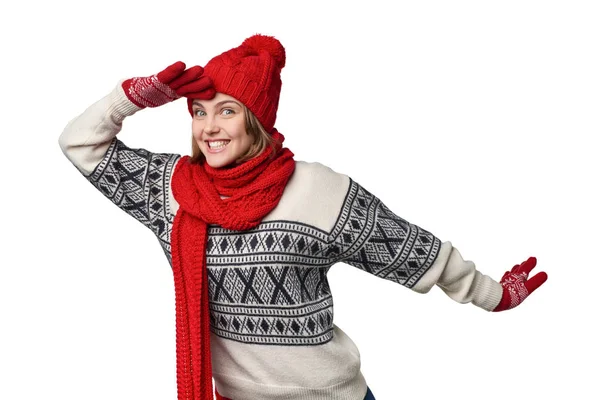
[150, 92]
[374, 239]
[137, 181]
[306, 324]
[268, 285]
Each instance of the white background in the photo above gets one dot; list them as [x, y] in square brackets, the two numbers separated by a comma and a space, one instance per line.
[474, 119]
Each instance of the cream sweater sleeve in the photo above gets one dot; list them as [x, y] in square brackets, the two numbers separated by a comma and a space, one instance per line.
[460, 280]
[86, 138]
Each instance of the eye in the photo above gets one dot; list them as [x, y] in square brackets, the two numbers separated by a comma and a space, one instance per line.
[199, 113]
[227, 111]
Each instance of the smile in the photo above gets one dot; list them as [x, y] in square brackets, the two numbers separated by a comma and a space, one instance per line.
[217, 146]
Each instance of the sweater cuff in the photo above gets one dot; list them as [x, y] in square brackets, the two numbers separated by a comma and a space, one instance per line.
[487, 293]
[120, 106]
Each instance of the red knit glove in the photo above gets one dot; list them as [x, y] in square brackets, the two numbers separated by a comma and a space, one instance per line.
[168, 85]
[516, 285]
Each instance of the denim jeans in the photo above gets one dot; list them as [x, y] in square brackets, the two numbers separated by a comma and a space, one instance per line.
[369, 395]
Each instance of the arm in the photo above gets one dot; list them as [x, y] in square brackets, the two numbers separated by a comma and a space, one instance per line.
[460, 280]
[136, 180]
[383, 244]
[87, 138]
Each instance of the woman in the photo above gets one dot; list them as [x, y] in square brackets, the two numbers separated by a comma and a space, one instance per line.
[250, 233]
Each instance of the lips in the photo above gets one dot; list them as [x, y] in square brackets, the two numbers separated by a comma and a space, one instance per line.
[217, 141]
[221, 147]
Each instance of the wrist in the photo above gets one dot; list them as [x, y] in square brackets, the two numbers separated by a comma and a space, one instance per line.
[121, 105]
[504, 303]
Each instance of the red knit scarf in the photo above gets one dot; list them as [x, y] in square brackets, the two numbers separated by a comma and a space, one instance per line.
[253, 189]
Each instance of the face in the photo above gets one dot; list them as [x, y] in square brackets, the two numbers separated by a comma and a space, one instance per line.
[219, 129]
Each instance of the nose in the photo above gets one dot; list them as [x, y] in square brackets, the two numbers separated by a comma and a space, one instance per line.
[210, 126]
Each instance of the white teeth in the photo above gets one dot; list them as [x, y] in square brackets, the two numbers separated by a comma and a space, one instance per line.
[217, 145]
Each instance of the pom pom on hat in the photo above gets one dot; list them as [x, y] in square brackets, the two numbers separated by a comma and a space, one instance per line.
[268, 43]
[251, 73]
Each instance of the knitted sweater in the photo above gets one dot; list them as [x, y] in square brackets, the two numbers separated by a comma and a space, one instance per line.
[271, 308]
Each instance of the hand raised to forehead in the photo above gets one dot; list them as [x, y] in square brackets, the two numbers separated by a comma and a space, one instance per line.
[170, 84]
[193, 84]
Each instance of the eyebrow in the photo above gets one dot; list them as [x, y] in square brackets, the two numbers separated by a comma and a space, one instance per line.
[197, 103]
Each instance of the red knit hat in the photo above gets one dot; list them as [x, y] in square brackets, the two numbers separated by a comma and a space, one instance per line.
[251, 74]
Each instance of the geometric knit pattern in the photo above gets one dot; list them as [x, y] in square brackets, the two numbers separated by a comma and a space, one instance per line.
[137, 181]
[268, 284]
[379, 242]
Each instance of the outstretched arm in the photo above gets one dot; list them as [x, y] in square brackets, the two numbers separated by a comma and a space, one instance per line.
[385, 245]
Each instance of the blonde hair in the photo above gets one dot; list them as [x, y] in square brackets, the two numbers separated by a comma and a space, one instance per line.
[254, 128]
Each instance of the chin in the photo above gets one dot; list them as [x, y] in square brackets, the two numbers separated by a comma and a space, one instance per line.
[219, 163]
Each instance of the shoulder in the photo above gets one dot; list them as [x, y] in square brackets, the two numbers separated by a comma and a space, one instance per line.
[314, 195]
[316, 177]
[318, 171]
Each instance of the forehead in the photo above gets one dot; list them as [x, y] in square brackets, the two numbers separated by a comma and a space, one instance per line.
[219, 98]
